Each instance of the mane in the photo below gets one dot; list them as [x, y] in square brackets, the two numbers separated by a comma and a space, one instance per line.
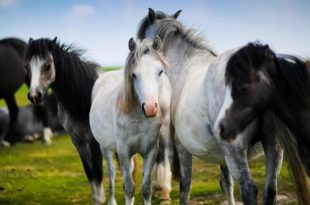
[169, 29]
[18, 44]
[251, 56]
[293, 76]
[74, 77]
[127, 98]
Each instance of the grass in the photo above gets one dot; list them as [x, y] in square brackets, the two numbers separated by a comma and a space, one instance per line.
[38, 174]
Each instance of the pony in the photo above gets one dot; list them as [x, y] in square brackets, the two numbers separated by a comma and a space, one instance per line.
[130, 113]
[60, 67]
[259, 80]
[12, 76]
[197, 76]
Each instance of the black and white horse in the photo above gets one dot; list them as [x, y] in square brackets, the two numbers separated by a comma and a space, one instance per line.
[71, 79]
[258, 80]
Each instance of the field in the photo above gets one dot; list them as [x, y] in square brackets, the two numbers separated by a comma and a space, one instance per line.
[40, 174]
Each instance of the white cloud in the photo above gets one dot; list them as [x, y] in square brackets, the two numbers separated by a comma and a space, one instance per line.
[82, 10]
[8, 3]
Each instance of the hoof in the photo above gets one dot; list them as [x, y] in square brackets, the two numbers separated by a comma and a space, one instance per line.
[165, 201]
[226, 203]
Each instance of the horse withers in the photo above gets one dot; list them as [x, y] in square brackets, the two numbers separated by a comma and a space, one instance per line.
[130, 113]
[258, 80]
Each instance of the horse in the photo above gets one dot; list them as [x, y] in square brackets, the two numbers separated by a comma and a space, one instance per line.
[197, 75]
[12, 76]
[59, 66]
[258, 80]
[29, 123]
[130, 112]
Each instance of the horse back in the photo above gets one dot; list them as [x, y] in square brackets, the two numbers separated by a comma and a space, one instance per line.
[12, 70]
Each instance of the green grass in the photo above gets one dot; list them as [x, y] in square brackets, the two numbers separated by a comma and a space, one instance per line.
[38, 174]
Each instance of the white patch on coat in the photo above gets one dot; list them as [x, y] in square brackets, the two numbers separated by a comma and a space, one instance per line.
[226, 105]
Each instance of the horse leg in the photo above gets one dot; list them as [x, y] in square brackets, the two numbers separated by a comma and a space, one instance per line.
[108, 155]
[163, 165]
[90, 154]
[13, 110]
[148, 164]
[236, 160]
[273, 161]
[126, 167]
[227, 184]
[185, 159]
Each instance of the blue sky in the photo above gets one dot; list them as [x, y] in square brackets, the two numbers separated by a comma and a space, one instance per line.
[103, 27]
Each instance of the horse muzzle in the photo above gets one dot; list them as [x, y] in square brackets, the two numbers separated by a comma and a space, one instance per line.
[36, 96]
[149, 109]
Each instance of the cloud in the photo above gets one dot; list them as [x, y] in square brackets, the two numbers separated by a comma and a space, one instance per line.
[82, 10]
[8, 3]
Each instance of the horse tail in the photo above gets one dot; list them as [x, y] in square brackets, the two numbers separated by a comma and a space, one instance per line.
[296, 167]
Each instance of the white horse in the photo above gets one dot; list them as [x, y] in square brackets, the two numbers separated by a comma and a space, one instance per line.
[197, 77]
[130, 112]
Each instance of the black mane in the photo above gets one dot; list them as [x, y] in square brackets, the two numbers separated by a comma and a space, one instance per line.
[251, 56]
[292, 75]
[74, 77]
[18, 44]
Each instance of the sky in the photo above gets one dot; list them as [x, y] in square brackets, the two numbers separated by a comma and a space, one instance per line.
[103, 27]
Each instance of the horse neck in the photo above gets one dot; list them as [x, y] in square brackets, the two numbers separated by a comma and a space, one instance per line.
[73, 84]
[179, 55]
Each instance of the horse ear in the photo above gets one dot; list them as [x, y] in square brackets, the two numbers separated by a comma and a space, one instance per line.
[131, 44]
[176, 15]
[151, 15]
[55, 39]
[30, 40]
[157, 43]
[268, 53]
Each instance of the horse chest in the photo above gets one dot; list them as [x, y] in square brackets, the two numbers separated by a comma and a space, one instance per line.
[137, 132]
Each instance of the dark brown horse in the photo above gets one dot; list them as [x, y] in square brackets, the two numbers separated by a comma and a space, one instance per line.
[12, 76]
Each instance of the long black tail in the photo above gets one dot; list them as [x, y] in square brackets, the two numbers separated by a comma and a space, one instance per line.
[295, 164]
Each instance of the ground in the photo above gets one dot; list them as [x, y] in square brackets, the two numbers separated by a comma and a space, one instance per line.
[39, 174]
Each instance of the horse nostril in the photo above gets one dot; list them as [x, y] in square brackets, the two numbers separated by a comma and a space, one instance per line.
[156, 105]
[143, 109]
[39, 95]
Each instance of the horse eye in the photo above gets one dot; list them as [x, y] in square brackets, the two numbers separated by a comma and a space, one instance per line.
[161, 72]
[245, 88]
[47, 67]
[133, 76]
